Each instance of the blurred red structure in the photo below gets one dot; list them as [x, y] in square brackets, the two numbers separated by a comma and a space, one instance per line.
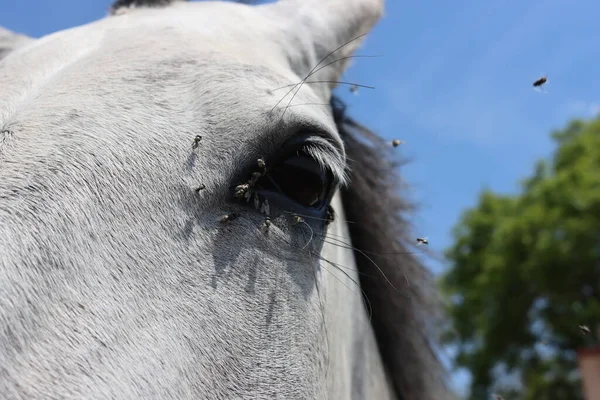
[589, 367]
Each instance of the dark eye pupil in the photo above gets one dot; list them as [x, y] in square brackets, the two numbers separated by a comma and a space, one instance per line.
[300, 178]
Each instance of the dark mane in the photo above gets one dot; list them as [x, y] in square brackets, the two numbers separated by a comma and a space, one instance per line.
[140, 3]
[403, 321]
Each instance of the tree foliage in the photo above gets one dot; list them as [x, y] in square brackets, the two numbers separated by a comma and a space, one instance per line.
[524, 274]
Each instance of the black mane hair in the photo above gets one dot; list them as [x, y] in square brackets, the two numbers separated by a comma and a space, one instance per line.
[139, 3]
[403, 320]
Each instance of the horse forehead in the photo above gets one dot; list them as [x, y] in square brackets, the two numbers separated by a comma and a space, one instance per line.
[181, 44]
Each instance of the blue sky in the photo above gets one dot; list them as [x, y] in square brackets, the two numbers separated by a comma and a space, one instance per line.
[454, 83]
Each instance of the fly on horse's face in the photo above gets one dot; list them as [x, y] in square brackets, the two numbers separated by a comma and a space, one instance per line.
[132, 263]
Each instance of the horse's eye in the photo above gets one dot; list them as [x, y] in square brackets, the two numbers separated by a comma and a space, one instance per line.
[301, 178]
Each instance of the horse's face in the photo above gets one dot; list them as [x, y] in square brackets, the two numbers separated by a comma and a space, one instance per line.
[129, 267]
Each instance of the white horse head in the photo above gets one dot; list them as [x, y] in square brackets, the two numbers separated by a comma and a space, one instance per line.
[146, 252]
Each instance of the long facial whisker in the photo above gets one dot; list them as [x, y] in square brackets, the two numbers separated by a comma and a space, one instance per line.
[340, 59]
[341, 269]
[290, 91]
[309, 75]
[316, 218]
[311, 234]
[349, 268]
[358, 272]
[292, 99]
[364, 295]
[328, 64]
[344, 45]
[322, 307]
[320, 257]
[338, 82]
[313, 71]
[340, 237]
[363, 252]
[324, 66]
[349, 246]
[310, 104]
[376, 266]
[365, 298]
[343, 244]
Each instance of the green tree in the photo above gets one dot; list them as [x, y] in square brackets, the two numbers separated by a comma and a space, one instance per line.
[525, 273]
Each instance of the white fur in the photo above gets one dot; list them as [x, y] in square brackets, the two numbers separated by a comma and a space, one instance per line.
[117, 280]
[10, 41]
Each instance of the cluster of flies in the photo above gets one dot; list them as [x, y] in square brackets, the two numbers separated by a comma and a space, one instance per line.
[245, 192]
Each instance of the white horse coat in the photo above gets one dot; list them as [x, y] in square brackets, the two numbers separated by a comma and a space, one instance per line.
[120, 279]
